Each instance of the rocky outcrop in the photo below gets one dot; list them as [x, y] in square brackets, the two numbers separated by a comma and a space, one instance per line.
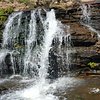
[85, 40]
[88, 45]
[82, 36]
[95, 16]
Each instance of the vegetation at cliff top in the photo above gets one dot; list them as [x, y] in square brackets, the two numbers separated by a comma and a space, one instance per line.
[3, 14]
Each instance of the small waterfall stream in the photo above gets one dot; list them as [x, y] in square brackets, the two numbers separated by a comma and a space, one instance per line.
[36, 55]
[29, 45]
[86, 13]
[10, 35]
[11, 32]
[86, 17]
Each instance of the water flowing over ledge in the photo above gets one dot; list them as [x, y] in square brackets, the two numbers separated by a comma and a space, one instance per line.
[33, 52]
[38, 46]
[29, 47]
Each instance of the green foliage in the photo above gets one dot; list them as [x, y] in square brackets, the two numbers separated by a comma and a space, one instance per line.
[23, 1]
[2, 19]
[11, 1]
[3, 14]
[5, 11]
[92, 64]
[8, 10]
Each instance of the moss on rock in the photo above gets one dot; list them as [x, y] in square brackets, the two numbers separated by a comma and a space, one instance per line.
[23, 1]
[4, 12]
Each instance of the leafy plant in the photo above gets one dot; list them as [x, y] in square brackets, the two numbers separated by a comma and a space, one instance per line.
[9, 10]
[92, 64]
[5, 11]
[3, 14]
[23, 1]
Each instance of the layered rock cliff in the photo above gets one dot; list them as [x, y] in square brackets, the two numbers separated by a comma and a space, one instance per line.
[85, 42]
[85, 37]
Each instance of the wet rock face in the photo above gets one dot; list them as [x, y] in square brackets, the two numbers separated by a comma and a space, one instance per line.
[84, 40]
[82, 36]
[95, 17]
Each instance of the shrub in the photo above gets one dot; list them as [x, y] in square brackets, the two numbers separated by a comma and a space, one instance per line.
[6, 11]
[23, 1]
[92, 64]
[3, 14]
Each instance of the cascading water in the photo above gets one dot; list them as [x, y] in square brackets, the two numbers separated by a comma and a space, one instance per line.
[9, 35]
[86, 17]
[86, 13]
[11, 32]
[37, 57]
[29, 46]
[51, 29]
[69, 50]
[64, 49]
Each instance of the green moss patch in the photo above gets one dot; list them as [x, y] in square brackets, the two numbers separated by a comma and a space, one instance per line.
[4, 12]
[23, 1]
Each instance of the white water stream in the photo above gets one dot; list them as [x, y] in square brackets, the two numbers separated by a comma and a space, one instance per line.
[86, 13]
[38, 58]
[11, 32]
[86, 18]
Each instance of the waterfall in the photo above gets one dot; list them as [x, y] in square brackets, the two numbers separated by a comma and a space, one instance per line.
[50, 32]
[9, 38]
[86, 13]
[30, 55]
[30, 41]
[46, 55]
[68, 50]
[53, 30]
[86, 17]
[10, 31]
[36, 60]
